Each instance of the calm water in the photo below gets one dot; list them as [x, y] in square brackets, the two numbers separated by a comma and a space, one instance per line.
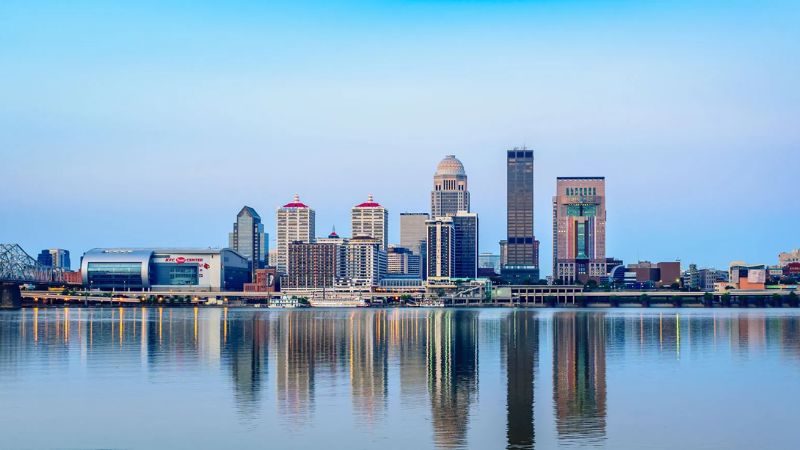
[383, 379]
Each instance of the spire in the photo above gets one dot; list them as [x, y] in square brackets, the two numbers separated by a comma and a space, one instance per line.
[370, 203]
[296, 203]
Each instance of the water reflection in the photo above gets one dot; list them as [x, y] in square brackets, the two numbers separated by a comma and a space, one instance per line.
[520, 334]
[298, 366]
[579, 377]
[452, 355]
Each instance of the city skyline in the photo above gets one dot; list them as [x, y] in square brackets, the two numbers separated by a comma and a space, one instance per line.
[493, 247]
[688, 114]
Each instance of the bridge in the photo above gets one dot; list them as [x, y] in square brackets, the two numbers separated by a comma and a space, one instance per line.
[17, 268]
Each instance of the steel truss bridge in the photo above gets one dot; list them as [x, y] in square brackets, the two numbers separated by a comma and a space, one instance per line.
[16, 268]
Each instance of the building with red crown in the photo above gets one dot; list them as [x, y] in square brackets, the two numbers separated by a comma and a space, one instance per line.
[370, 219]
[295, 223]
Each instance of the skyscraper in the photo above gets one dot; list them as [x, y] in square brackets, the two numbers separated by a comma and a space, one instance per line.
[56, 258]
[465, 250]
[295, 223]
[521, 253]
[449, 194]
[413, 231]
[441, 247]
[450, 198]
[579, 229]
[414, 236]
[370, 219]
[248, 238]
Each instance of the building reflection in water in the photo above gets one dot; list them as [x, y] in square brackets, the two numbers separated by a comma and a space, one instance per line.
[452, 355]
[579, 377]
[368, 363]
[520, 346]
[291, 355]
[408, 337]
[245, 352]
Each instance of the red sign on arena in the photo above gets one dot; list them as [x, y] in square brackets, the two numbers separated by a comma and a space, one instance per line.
[180, 260]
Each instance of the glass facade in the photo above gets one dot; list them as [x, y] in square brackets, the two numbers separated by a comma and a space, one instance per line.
[580, 243]
[581, 210]
[465, 258]
[115, 274]
[174, 275]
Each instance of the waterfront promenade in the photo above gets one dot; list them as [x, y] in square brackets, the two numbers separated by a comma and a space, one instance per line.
[504, 296]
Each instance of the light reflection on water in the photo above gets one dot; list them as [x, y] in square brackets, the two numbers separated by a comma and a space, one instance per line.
[398, 378]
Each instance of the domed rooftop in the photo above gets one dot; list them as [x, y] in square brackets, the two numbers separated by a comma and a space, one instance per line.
[450, 166]
[295, 203]
[370, 203]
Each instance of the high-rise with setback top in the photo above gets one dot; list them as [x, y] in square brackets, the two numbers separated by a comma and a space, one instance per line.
[521, 249]
[579, 229]
[249, 239]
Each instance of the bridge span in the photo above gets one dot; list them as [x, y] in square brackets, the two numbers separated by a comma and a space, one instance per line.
[17, 268]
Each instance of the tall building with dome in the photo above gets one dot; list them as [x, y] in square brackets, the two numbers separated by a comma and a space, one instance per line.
[456, 249]
[450, 194]
[295, 223]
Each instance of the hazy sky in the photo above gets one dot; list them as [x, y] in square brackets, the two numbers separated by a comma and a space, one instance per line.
[152, 123]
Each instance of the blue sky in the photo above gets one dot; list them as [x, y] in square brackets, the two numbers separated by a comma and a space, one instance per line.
[152, 123]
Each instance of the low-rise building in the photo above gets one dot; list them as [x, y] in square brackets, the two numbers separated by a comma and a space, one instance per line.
[73, 278]
[165, 269]
[266, 280]
[403, 261]
[312, 265]
[662, 274]
[792, 270]
[786, 258]
[703, 279]
[747, 277]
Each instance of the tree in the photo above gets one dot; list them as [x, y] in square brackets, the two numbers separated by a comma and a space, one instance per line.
[726, 299]
[708, 299]
[792, 299]
[644, 299]
[591, 285]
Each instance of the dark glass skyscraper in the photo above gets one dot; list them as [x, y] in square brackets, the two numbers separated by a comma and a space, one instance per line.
[465, 257]
[522, 248]
[249, 239]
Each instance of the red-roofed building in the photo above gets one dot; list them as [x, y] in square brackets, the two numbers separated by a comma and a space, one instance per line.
[295, 223]
[370, 219]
